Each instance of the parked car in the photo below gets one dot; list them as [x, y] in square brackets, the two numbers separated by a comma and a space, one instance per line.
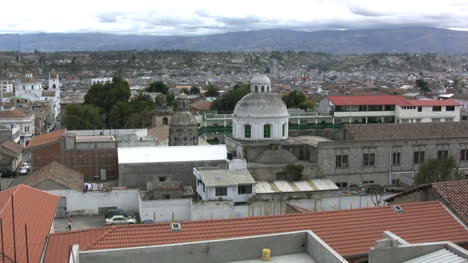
[26, 165]
[120, 220]
[117, 212]
[5, 173]
[23, 171]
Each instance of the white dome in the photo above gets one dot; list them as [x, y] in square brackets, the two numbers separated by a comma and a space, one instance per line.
[260, 79]
[260, 105]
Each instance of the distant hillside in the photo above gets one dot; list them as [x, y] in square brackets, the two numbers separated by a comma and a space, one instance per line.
[414, 40]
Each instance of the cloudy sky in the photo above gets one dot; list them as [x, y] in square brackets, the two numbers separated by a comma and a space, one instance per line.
[195, 17]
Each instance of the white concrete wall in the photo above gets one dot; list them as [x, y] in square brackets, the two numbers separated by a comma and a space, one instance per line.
[256, 130]
[427, 114]
[90, 202]
[164, 210]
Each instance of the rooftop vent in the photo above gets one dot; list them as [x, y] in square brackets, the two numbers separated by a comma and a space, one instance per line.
[397, 209]
[176, 227]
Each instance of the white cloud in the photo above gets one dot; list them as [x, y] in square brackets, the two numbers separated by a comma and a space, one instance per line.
[177, 17]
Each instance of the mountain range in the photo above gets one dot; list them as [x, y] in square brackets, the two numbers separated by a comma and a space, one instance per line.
[389, 40]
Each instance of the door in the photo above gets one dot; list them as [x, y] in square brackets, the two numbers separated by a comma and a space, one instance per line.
[62, 208]
[103, 175]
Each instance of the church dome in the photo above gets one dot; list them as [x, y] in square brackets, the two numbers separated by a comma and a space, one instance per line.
[260, 79]
[183, 118]
[260, 105]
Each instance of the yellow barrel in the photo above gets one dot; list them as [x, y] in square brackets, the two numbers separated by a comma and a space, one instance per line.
[266, 254]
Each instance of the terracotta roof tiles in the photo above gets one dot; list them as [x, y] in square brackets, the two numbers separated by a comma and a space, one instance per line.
[350, 232]
[47, 138]
[455, 193]
[59, 173]
[12, 146]
[33, 208]
[14, 114]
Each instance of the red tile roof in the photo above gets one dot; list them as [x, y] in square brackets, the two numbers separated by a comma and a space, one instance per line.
[387, 100]
[12, 147]
[350, 232]
[47, 138]
[455, 193]
[33, 208]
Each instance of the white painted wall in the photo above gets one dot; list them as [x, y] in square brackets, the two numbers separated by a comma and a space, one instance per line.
[257, 125]
[89, 202]
[163, 210]
[427, 114]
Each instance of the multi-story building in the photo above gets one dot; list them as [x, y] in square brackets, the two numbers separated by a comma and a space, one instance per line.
[390, 153]
[6, 86]
[15, 118]
[388, 109]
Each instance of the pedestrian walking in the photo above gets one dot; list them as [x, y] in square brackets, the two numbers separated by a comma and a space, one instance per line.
[69, 224]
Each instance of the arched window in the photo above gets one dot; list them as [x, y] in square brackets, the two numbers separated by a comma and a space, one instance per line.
[247, 131]
[284, 129]
[256, 88]
[267, 131]
[263, 89]
[165, 121]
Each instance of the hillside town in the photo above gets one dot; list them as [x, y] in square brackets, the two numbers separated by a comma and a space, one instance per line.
[241, 159]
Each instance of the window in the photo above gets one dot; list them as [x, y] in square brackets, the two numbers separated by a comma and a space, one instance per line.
[419, 108]
[26, 128]
[203, 187]
[267, 131]
[162, 179]
[221, 191]
[396, 159]
[284, 129]
[395, 181]
[450, 108]
[418, 157]
[464, 155]
[368, 182]
[436, 108]
[369, 159]
[341, 161]
[448, 119]
[435, 119]
[263, 89]
[256, 88]
[342, 184]
[442, 154]
[247, 131]
[244, 189]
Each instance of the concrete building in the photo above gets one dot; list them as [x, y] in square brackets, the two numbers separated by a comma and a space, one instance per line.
[15, 118]
[234, 184]
[11, 155]
[139, 165]
[8, 133]
[6, 86]
[388, 109]
[389, 154]
[100, 80]
[183, 126]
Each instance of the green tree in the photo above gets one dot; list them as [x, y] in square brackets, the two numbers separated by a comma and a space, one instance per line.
[423, 86]
[296, 99]
[295, 171]
[194, 91]
[185, 90]
[158, 86]
[119, 115]
[81, 117]
[141, 111]
[211, 91]
[230, 99]
[438, 171]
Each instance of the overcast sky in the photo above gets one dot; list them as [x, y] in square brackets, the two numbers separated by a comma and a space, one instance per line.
[189, 17]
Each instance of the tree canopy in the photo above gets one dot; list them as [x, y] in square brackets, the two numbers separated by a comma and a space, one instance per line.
[158, 86]
[81, 117]
[438, 171]
[194, 91]
[211, 91]
[296, 99]
[230, 99]
[423, 86]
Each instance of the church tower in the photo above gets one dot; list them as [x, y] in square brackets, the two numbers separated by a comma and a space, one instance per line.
[54, 83]
[183, 128]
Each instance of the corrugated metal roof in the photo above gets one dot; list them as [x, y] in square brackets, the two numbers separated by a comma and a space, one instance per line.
[439, 256]
[167, 154]
[297, 186]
